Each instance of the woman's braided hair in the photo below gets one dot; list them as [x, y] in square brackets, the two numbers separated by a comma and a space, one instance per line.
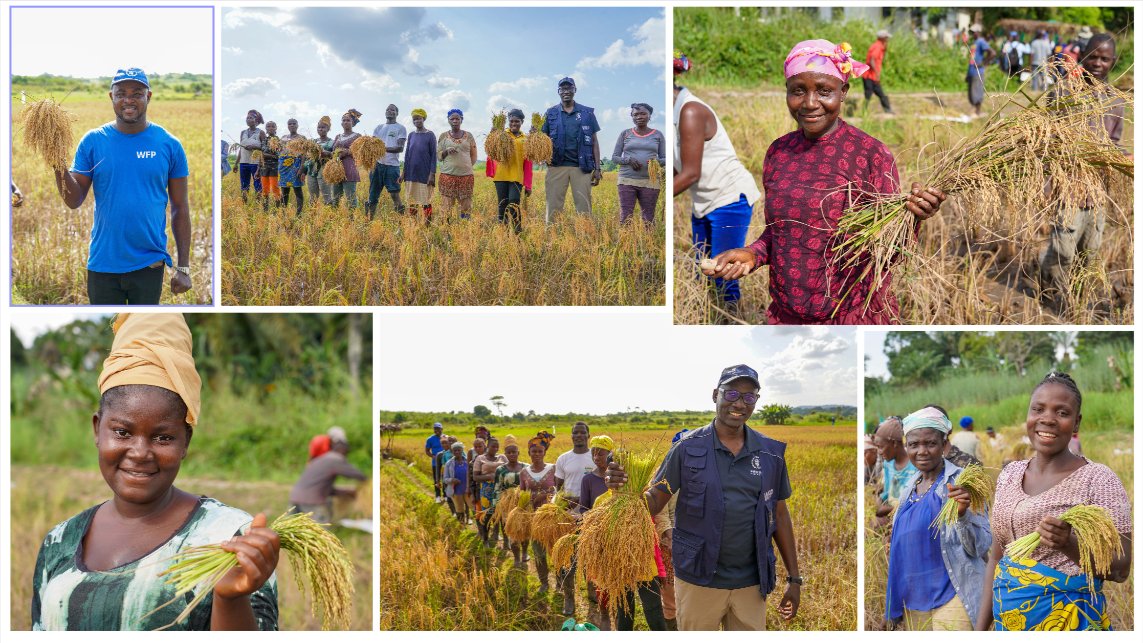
[1066, 381]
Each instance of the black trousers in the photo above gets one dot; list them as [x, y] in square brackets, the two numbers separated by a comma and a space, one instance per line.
[140, 287]
[874, 87]
[652, 600]
[508, 194]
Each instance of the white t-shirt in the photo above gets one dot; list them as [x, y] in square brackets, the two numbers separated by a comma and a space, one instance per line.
[571, 467]
[968, 442]
[390, 134]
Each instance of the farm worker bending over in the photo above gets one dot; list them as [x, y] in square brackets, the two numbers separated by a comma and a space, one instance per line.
[575, 152]
[136, 167]
[732, 487]
[314, 490]
[99, 569]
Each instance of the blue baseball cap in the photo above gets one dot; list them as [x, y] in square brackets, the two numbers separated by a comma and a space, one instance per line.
[731, 373]
[133, 73]
[438, 425]
[566, 80]
[966, 422]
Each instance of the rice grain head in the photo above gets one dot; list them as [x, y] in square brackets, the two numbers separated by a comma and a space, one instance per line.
[980, 489]
[334, 171]
[47, 131]
[366, 151]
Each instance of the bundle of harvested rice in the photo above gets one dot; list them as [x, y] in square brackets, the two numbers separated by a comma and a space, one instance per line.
[256, 156]
[563, 550]
[978, 484]
[47, 130]
[334, 171]
[518, 524]
[275, 144]
[616, 546]
[366, 151]
[498, 145]
[505, 504]
[655, 172]
[1026, 143]
[1098, 540]
[551, 522]
[538, 145]
[303, 147]
[316, 557]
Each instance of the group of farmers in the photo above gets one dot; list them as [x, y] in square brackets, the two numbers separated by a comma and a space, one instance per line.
[959, 575]
[718, 506]
[418, 162]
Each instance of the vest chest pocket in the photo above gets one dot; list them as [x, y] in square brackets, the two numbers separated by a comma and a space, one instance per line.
[687, 553]
[692, 500]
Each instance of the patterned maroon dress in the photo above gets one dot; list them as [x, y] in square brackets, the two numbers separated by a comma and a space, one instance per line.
[808, 185]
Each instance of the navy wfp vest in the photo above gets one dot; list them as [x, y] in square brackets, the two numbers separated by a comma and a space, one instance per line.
[585, 152]
[701, 508]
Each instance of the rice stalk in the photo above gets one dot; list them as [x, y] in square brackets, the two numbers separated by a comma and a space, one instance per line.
[498, 145]
[655, 172]
[366, 151]
[518, 524]
[274, 143]
[1098, 540]
[537, 144]
[316, 555]
[47, 130]
[563, 551]
[333, 172]
[303, 147]
[550, 523]
[980, 489]
[256, 156]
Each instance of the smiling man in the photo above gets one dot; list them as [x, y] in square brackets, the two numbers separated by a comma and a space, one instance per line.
[732, 486]
[575, 152]
[135, 168]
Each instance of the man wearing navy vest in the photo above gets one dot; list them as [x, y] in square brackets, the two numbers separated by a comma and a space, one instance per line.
[732, 487]
[575, 152]
[135, 168]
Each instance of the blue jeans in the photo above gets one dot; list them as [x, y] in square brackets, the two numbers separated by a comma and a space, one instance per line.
[246, 172]
[382, 176]
[722, 229]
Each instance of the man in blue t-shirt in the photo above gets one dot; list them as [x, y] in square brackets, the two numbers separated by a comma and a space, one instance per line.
[575, 152]
[135, 168]
[982, 55]
[433, 446]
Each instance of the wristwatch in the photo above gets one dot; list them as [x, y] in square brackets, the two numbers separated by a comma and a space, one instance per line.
[183, 269]
[794, 580]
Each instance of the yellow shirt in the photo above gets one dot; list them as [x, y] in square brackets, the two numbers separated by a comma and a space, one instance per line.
[513, 170]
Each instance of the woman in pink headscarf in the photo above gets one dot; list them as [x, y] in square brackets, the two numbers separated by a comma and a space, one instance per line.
[811, 176]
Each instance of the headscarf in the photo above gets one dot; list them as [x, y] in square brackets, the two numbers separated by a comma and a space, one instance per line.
[337, 434]
[153, 349]
[319, 445]
[324, 120]
[682, 63]
[509, 441]
[927, 418]
[543, 438]
[650, 110]
[601, 442]
[354, 115]
[869, 446]
[257, 116]
[419, 111]
[454, 111]
[824, 57]
[455, 445]
[482, 429]
[516, 113]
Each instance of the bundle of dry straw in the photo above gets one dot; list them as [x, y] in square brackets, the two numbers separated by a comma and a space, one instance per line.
[518, 524]
[47, 130]
[366, 151]
[316, 556]
[333, 172]
[498, 145]
[537, 144]
[617, 539]
[1028, 143]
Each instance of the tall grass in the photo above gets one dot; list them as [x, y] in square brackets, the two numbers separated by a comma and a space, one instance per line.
[330, 256]
[50, 242]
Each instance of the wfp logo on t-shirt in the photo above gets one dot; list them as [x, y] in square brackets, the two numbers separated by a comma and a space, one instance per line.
[146, 154]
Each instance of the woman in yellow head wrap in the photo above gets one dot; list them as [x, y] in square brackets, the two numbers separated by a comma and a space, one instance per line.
[593, 486]
[99, 570]
[419, 172]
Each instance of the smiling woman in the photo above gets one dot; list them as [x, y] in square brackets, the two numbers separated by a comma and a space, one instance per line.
[99, 570]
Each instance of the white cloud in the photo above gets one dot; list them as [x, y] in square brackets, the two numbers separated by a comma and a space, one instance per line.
[347, 86]
[307, 114]
[648, 48]
[498, 102]
[235, 18]
[233, 51]
[437, 106]
[378, 84]
[530, 82]
[441, 82]
[244, 87]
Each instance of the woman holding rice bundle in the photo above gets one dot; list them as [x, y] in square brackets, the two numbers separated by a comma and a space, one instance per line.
[315, 184]
[341, 144]
[1049, 590]
[811, 176]
[291, 174]
[99, 570]
[249, 140]
[935, 568]
[634, 148]
[484, 478]
[539, 479]
[457, 156]
[419, 173]
[506, 477]
[513, 178]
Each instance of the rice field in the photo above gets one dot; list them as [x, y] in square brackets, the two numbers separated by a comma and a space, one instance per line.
[434, 574]
[331, 256]
[43, 496]
[1109, 446]
[50, 241]
[961, 271]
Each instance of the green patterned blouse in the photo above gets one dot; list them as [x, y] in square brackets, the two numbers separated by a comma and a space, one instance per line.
[68, 596]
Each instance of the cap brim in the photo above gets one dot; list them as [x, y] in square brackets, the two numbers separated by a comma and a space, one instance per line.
[740, 377]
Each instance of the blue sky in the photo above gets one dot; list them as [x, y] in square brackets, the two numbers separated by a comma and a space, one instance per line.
[309, 61]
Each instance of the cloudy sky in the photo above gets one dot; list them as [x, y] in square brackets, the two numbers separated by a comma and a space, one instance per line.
[552, 361]
[308, 61]
[89, 42]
